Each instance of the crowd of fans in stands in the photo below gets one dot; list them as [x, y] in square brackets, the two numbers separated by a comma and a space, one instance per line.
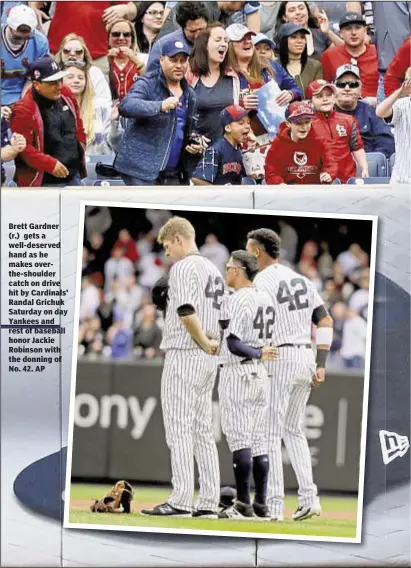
[118, 319]
[198, 92]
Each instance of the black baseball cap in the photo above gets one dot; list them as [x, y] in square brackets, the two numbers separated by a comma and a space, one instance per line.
[45, 70]
[352, 18]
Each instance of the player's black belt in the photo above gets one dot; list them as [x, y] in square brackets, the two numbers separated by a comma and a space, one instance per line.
[306, 345]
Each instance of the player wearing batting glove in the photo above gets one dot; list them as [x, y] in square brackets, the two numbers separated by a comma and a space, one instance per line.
[296, 155]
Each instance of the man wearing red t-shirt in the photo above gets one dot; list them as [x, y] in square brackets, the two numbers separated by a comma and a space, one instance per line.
[340, 132]
[355, 51]
[88, 20]
[395, 74]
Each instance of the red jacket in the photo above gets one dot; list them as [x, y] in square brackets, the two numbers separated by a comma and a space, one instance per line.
[297, 162]
[32, 163]
[334, 57]
[395, 74]
[341, 133]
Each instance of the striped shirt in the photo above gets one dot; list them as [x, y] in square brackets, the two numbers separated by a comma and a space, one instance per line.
[251, 318]
[401, 120]
[197, 282]
[294, 298]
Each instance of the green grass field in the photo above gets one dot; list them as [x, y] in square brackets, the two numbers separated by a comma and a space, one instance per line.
[338, 520]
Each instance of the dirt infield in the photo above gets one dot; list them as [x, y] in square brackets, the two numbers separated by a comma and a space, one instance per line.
[84, 505]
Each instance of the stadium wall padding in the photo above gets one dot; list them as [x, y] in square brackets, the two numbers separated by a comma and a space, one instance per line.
[119, 432]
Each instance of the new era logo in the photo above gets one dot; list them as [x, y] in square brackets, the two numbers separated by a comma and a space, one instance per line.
[393, 446]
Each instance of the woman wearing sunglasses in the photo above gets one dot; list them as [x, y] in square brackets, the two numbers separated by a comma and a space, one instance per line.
[73, 49]
[125, 63]
[293, 55]
[148, 24]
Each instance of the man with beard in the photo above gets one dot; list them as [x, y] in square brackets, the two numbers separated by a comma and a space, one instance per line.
[160, 108]
[21, 44]
[338, 131]
[375, 134]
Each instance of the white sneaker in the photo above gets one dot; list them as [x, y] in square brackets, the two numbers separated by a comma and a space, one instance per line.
[303, 513]
[277, 518]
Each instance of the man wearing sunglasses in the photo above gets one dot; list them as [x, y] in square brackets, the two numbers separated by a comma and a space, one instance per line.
[355, 51]
[21, 44]
[375, 134]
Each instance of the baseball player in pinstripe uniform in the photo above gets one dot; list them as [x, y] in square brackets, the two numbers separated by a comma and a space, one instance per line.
[247, 321]
[296, 371]
[195, 293]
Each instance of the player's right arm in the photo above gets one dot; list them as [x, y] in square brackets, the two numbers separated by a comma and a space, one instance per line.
[182, 278]
[324, 337]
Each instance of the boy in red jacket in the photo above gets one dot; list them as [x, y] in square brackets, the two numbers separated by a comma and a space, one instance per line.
[296, 156]
[339, 132]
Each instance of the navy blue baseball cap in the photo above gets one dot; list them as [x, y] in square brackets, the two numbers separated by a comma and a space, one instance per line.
[233, 113]
[172, 47]
[289, 29]
[45, 70]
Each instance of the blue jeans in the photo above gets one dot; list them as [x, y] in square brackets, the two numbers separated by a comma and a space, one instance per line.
[381, 93]
[75, 180]
[165, 178]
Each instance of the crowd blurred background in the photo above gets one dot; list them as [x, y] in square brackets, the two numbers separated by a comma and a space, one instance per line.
[122, 261]
[105, 47]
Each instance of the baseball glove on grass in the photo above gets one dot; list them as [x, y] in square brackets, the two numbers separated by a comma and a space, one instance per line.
[117, 500]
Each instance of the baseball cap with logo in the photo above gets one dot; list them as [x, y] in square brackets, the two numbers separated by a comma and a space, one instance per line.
[347, 69]
[233, 113]
[289, 29]
[316, 87]
[299, 111]
[45, 70]
[22, 15]
[172, 47]
[237, 32]
[352, 18]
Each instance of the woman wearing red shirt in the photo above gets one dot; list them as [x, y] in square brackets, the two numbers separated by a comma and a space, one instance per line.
[125, 64]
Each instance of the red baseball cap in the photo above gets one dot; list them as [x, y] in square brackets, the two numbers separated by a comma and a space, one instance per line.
[316, 87]
[233, 113]
[299, 111]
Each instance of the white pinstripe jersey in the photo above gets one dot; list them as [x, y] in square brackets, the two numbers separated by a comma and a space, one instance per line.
[294, 298]
[251, 318]
[401, 120]
[196, 281]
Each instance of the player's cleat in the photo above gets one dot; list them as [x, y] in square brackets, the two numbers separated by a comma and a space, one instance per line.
[277, 518]
[165, 510]
[303, 513]
[240, 511]
[261, 511]
[201, 514]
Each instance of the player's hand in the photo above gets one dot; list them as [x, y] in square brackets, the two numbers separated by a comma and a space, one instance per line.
[250, 102]
[269, 353]
[60, 170]
[213, 347]
[365, 173]
[284, 98]
[319, 378]
[325, 178]
[6, 112]
[169, 104]
[18, 142]
[406, 87]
